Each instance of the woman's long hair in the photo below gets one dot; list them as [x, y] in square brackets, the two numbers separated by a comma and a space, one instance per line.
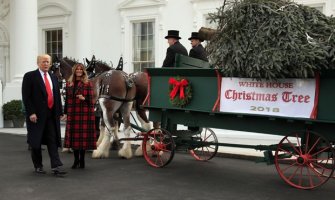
[73, 77]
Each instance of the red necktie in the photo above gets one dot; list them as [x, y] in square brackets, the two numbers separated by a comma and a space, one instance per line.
[49, 92]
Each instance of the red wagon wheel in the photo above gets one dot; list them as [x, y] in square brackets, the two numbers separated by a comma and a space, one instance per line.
[304, 159]
[158, 147]
[205, 151]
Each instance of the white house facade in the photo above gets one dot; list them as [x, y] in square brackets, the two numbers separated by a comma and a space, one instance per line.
[107, 29]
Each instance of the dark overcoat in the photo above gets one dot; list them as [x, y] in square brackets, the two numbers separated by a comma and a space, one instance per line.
[35, 100]
[80, 125]
[199, 53]
[171, 54]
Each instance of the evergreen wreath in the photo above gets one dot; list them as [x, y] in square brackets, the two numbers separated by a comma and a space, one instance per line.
[180, 91]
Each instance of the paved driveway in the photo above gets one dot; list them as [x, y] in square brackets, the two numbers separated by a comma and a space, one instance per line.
[119, 179]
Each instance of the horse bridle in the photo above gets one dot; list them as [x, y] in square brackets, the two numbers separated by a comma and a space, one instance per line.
[55, 67]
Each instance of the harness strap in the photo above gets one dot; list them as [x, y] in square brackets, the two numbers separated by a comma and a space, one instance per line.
[116, 98]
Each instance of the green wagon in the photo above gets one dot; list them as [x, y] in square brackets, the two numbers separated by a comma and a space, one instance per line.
[304, 158]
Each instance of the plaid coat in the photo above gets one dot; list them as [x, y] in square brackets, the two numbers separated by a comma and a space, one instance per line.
[80, 126]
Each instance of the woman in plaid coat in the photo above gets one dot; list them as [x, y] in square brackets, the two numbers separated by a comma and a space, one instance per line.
[79, 108]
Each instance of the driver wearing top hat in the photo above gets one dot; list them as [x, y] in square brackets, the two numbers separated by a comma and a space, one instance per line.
[174, 47]
[197, 51]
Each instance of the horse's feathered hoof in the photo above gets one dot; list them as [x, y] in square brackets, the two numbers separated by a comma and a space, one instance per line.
[139, 151]
[99, 154]
[126, 153]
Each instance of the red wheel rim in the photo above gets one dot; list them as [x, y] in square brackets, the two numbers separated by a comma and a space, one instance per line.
[304, 160]
[158, 147]
[205, 152]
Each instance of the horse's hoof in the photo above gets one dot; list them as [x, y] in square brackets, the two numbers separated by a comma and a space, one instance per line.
[127, 154]
[139, 152]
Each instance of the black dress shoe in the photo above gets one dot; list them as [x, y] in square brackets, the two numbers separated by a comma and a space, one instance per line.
[82, 164]
[58, 171]
[39, 170]
[75, 164]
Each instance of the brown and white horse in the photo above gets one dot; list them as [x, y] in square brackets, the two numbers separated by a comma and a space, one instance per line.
[141, 81]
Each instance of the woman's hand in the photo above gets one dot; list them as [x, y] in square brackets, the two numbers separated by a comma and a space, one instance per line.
[63, 117]
[81, 97]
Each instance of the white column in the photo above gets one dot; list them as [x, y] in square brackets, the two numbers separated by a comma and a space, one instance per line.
[83, 29]
[23, 45]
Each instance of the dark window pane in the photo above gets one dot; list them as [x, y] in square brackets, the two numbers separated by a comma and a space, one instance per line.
[150, 41]
[54, 36]
[60, 48]
[144, 55]
[150, 28]
[49, 36]
[144, 28]
[48, 48]
[54, 47]
[144, 42]
[60, 35]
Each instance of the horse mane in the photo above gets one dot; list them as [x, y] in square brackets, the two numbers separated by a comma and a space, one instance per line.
[103, 65]
[70, 59]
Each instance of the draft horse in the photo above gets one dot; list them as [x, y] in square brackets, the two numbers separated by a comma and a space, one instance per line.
[140, 79]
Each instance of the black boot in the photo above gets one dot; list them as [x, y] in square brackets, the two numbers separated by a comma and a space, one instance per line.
[82, 159]
[76, 159]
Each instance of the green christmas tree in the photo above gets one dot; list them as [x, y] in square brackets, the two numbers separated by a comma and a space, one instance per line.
[271, 39]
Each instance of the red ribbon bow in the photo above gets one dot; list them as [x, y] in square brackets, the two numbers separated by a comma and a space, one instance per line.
[178, 86]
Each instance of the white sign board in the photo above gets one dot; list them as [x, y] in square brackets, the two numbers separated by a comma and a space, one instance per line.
[284, 97]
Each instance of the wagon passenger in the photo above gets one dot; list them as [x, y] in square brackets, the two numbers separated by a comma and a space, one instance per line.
[79, 107]
[197, 51]
[174, 47]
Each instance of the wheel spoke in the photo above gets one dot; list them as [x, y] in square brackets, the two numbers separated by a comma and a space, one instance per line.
[295, 172]
[313, 145]
[319, 175]
[207, 137]
[322, 150]
[295, 149]
[299, 145]
[292, 165]
[306, 147]
[286, 151]
[310, 177]
[300, 178]
[322, 167]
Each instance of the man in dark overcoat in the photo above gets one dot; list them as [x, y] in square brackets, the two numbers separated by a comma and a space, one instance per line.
[197, 51]
[174, 47]
[42, 101]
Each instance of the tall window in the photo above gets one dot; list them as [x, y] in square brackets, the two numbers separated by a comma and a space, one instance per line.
[143, 45]
[54, 43]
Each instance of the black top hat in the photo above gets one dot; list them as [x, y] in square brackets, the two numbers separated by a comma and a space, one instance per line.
[195, 35]
[173, 34]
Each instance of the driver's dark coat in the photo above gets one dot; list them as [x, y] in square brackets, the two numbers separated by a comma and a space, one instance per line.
[34, 98]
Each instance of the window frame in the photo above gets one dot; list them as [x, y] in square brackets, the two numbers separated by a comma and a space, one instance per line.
[45, 42]
[150, 62]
